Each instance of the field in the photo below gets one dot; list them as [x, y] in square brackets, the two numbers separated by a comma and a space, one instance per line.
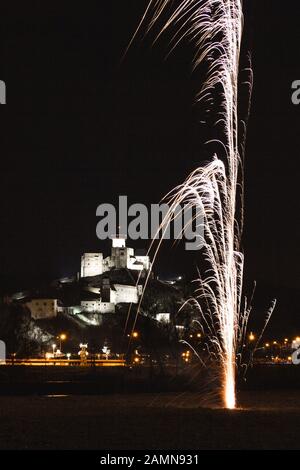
[265, 420]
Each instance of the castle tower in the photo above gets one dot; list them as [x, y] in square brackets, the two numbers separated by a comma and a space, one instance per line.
[118, 241]
[91, 264]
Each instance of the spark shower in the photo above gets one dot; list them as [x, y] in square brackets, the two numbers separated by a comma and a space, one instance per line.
[214, 29]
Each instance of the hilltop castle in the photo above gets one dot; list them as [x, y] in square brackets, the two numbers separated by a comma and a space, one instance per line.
[100, 294]
[122, 257]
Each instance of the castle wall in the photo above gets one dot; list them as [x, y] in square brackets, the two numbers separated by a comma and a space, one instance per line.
[42, 308]
[126, 294]
[91, 264]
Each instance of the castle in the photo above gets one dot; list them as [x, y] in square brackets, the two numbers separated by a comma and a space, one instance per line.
[100, 295]
[122, 257]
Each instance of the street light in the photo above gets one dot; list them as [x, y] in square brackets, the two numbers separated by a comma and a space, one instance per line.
[251, 337]
[62, 337]
[135, 334]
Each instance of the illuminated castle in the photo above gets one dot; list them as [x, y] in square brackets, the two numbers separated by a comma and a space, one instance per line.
[122, 257]
[100, 296]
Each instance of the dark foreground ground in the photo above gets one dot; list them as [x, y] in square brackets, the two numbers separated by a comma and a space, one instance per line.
[265, 420]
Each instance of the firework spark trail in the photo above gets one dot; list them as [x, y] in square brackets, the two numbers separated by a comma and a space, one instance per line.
[220, 284]
[214, 28]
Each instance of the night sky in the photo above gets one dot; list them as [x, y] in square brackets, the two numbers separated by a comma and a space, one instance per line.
[81, 128]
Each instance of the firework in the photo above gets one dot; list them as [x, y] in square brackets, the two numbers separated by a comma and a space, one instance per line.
[214, 28]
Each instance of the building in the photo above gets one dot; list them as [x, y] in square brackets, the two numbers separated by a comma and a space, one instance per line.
[163, 317]
[143, 259]
[124, 294]
[101, 294]
[117, 293]
[109, 295]
[91, 306]
[121, 257]
[43, 308]
[107, 307]
[91, 264]
[97, 306]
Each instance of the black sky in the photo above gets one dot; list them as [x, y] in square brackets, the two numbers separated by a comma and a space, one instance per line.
[81, 128]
